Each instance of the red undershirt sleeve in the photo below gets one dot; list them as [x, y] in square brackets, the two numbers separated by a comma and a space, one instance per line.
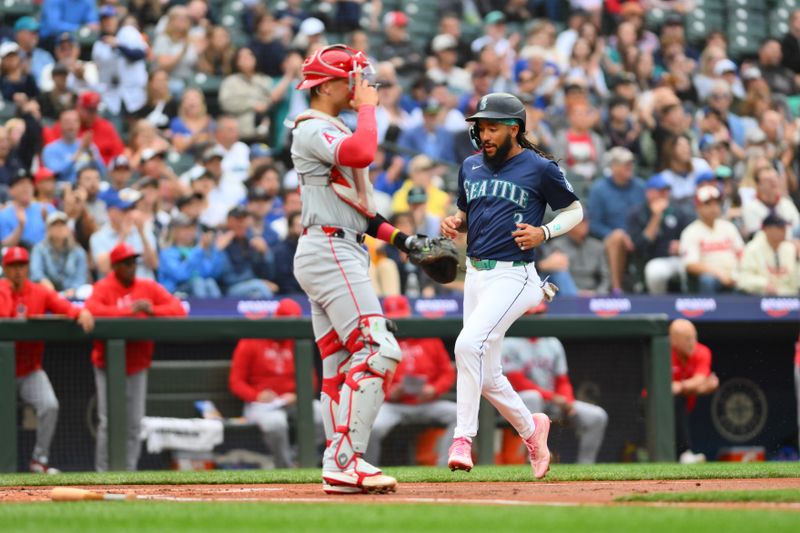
[358, 150]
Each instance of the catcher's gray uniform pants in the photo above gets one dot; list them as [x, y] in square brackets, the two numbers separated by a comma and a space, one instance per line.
[35, 390]
[440, 412]
[274, 425]
[589, 420]
[135, 394]
[333, 271]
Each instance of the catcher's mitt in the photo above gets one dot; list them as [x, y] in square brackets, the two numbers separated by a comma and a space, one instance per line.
[437, 256]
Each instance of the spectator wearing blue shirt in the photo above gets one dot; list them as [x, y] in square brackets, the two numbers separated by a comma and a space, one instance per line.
[22, 222]
[58, 262]
[189, 266]
[248, 263]
[34, 59]
[68, 153]
[267, 178]
[259, 205]
[284, 256]
[430, 138]
[67, 16]
[610, 201]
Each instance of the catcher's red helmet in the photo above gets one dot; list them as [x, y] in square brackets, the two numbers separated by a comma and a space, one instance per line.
[332, 62]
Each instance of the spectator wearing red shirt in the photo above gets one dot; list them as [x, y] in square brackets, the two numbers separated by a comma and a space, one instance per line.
[262, 375]
[691, 377]
[122, 294]
[22, 298]
[414, 394]
[104, 135]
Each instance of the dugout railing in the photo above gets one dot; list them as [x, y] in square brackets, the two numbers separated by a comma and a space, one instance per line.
[648, 332]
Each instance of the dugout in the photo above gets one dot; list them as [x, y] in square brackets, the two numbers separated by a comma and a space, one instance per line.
[611, 361]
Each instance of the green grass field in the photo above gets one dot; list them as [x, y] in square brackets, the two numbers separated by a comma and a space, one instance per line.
[733, 496]
[348, 514]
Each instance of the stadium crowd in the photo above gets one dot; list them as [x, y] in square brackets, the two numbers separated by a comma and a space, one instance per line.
[167, 124]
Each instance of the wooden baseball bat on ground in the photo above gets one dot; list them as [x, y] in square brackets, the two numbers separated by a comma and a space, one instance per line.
[71, 494]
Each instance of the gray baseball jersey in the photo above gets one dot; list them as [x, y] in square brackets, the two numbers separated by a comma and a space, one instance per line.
[314, 147]
[541, 360]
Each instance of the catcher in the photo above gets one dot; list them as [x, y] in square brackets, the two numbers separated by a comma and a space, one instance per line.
[359, 351]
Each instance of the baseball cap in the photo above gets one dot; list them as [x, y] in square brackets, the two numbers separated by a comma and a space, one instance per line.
[705, 177]
[42, 174]
[775, 221]
[124, 199]
[657, 181]
[16, 254]
[121, 252]
[257, 194]
[431, 107]
[260, 150]
[89, 100]
[724, 65]
[60, 69]
[26, 24]
[707, 193]
[395, 18]
[146, 181]
[55, 217]
[417, 195]
[21, 176]
[443, 42]
[494, 17]
[186, 199]
[619, 155]
[8, 47]
[65, 37]
[151, 153]
[311, 26]
[396, 306]
[107, 11]
[214, 151]
[288, 307]
[420, 162]
[238, 211]
[119, 162]
[181, 221]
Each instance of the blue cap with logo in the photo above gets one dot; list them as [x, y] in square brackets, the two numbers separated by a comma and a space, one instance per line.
[26, 24]
[657, 181]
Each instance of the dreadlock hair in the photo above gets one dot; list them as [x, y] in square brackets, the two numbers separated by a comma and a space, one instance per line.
[525, 142]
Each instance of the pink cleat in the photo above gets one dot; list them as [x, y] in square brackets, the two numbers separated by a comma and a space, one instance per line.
[537, 446]
[460, 455]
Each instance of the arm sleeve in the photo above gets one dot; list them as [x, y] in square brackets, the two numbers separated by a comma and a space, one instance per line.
[37, 264]
[520, 382]
[566, 219]
[132, 54]
[379, 228]
[79, 274]
[171, 267]
[689, 248]
[462, 192]
[164, 303]
[60, 306]
[564, 388]
[556, 189]
[358, 150]
[237, 379]
[99, 305]
[750, 278]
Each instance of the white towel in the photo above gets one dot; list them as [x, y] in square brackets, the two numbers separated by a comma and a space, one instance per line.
[189, 434]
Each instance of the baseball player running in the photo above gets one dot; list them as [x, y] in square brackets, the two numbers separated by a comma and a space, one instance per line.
[503, 192]
[359, 352]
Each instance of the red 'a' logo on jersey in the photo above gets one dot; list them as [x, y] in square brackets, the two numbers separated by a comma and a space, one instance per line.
[328, 137]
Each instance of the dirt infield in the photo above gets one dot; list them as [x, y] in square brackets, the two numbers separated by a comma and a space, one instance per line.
[549, 493]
